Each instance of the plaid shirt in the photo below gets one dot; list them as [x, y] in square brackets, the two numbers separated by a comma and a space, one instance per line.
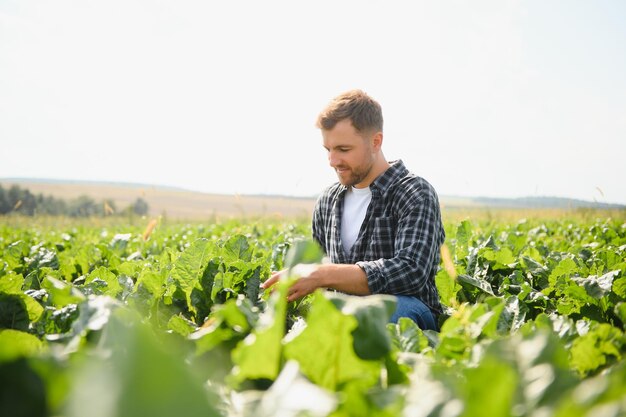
[398, 244]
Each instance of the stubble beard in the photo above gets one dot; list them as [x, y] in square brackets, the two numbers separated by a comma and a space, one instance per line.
[356, 176]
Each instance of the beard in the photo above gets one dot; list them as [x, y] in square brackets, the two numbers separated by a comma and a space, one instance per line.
[353, 176]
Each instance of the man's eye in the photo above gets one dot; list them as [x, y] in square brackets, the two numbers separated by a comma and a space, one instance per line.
[344, 149]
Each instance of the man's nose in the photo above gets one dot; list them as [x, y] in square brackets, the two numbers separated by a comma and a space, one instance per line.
[333, 160]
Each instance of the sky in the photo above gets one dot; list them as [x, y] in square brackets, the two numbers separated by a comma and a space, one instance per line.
[496, 98]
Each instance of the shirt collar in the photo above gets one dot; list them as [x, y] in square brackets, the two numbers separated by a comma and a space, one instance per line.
[395, 171]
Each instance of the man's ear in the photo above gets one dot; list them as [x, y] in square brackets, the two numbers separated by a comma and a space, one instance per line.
[377, 141]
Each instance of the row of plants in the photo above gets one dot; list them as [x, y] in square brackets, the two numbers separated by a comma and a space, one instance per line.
[172, 319]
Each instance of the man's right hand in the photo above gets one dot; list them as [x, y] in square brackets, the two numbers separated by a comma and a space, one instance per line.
[269, 283]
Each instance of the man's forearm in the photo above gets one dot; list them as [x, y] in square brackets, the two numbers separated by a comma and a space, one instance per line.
[349, 279]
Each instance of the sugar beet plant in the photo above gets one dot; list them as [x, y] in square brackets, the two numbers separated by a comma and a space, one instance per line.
[113, 322]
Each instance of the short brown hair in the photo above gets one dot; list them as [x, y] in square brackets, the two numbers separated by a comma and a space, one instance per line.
[363, 111]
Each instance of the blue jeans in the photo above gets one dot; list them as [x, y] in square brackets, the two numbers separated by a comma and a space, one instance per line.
[416, 310]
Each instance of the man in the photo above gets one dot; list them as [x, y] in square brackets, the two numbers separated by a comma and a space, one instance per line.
[380, 225]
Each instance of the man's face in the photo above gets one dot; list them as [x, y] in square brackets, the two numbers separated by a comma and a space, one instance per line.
[350, 154]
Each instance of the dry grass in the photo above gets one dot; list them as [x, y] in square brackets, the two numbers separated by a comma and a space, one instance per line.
[183, 205]
[179, 204]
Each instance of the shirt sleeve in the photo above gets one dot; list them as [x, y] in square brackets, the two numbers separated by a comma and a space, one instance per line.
[418, 238]
[317, 228]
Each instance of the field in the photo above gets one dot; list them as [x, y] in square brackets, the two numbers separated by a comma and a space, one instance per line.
[184, 205]
[175, 203]
[160, 318]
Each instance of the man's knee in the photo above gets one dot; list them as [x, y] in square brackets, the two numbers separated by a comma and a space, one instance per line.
[416, 310]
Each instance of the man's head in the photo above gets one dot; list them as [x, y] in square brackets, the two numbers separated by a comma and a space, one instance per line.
[352, 127]
[364, 112]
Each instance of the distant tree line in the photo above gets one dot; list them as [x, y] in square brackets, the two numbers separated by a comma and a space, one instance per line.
[22, 201]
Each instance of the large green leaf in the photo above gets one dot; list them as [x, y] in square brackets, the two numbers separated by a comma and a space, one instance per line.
[447, 287]
[501, 259]
[237, 247]
[325, 348]
[371, 339]
[490, 388]
[140, 377]
[619, 287]
[15, 344]
[13, 312]
[14, 255]
[292, 395]
[303, 251]
[597, 287]
[108, 280]
[17, 309]
[517, 373]
[11, 283]
[463, 236]
[42, 257]
[181, 325]
[407, 336]
[153, 281]
[566, 268]
[189, 269]
[259, 356]
[22, 392]
[602, 344]
[227, 322]
[61, 293]
[472, 283]
[93, 316]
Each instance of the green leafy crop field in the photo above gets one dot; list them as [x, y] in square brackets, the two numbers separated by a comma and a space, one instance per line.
[111, 319]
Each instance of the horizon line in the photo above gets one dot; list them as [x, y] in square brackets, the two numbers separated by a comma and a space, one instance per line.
[291, 196]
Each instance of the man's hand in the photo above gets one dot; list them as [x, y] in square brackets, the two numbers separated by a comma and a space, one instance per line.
[349, 279]
[273, 279]
[302, 287]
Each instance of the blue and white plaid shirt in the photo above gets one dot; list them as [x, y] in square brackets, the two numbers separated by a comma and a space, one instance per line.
[398, 244]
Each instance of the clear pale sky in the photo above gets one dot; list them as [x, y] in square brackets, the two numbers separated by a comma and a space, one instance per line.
[482, 98]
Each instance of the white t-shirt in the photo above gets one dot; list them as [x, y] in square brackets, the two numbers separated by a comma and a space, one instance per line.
[354, 209]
